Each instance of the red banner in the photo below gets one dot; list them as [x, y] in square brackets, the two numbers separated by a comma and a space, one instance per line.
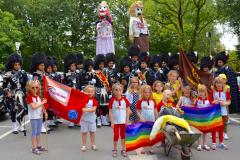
[191, 74]
[64, 101]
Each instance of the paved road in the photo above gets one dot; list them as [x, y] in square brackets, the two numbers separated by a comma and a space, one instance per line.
[64, 144]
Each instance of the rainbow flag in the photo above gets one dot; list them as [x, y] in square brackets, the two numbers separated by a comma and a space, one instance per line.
[138, 135]
[204, 119]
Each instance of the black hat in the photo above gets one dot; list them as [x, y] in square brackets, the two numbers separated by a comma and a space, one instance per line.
[125, 61]
[79, 58]
[144, 57]
[13, 58]
[193, 57]
[133, 51]
[68, 60]
[37, 59]
[87, 63]
[54, 60]
[206, 62]
[164, 58]
[154, 60]
[99, 59]
[49, 62]
[110, 57]
[221, 56]
[173, 61]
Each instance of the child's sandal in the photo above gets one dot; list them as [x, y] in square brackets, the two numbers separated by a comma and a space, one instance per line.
[84, 148]
[94, 147]
[35, 151]
[123, 153]
[114, 153]
[42, 149]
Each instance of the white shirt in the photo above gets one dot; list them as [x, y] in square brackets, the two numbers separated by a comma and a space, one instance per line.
[137, 27]
[119, 110]
[35, 113]
[147, 109]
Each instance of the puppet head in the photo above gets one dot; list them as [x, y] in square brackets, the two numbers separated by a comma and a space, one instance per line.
[136, 9]
[103, 10]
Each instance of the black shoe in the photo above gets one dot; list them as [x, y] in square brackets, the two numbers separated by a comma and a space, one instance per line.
[15, 132]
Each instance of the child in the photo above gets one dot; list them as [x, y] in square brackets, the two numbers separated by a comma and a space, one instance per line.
[167, 106]
[226, 89]
[220, 96]
[35, 112]
[174, 84]
[202, 101]
[132, 95]
[119, 115]
[146, 107]
[88, 120]
[186, 100]
[157, 91]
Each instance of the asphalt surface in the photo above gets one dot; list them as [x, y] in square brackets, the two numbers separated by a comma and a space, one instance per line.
[65, 144]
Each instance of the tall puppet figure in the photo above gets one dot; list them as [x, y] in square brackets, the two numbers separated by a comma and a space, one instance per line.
[104, 42]
[138, 28]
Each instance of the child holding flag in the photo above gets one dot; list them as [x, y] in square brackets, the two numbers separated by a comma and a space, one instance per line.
[35, 112]
[186, 99]
[220, 95]
[119, 115]
[88, 120]
[147, 111]
[203, 100]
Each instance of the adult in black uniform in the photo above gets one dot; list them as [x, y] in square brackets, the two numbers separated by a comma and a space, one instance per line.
[14, 83]
[71, 77]
[102, 90]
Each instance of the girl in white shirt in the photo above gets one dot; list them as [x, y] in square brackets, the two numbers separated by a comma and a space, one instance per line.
[35, 111]
[119, 115]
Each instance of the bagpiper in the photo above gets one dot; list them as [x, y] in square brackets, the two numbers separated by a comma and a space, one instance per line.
[146, 74]
[38, 66]
[102, 89]
[54, 65]
[133, 54]
[14, 84]
[89, 76]
[125, 72]
[220, 61]
[80, 71]
[49, 73]
[110, 70]
[155, 65]
[71, 77]
[164, 66]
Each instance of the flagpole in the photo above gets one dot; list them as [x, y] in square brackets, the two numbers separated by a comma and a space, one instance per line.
[46, 137]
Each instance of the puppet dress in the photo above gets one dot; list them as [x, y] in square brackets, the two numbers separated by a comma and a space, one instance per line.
[105, 41]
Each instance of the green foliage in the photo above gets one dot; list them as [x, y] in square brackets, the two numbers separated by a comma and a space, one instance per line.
[9, 34]
[233, 61]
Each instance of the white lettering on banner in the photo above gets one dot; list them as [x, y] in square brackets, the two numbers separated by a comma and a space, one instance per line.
[58, 94]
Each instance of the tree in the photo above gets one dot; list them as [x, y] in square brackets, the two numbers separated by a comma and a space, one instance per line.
[185, 19]
[9, 34]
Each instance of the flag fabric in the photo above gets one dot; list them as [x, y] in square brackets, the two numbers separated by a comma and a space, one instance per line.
[64, 101]
[204, 119]
[191, 74]
[138, 135]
